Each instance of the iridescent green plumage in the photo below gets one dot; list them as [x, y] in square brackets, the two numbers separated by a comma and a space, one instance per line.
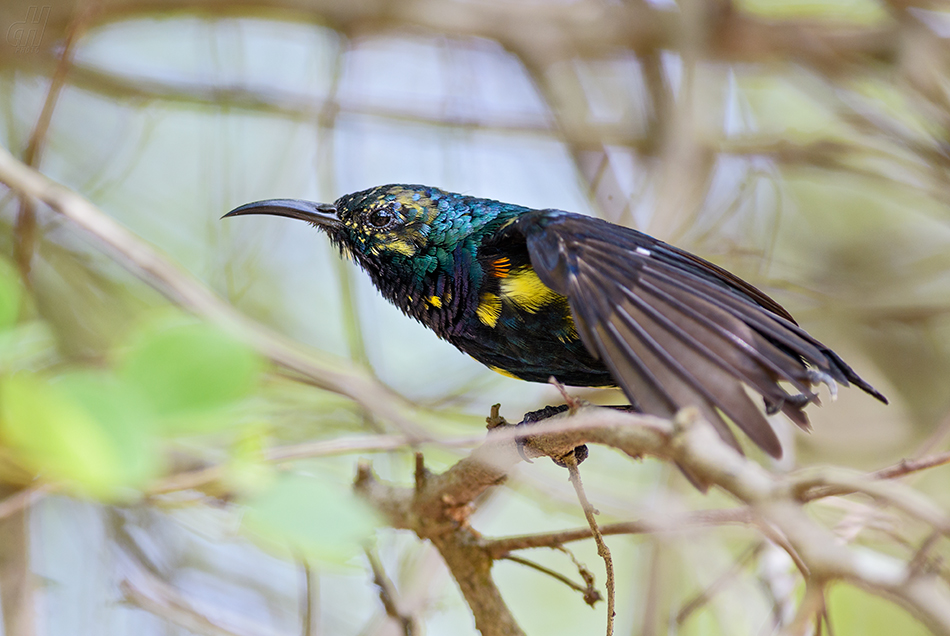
[542, 293]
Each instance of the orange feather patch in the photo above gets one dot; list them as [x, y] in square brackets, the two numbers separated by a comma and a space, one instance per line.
[500, 267]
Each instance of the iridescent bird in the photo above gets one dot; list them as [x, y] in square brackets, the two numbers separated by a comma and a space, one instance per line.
[539, 293]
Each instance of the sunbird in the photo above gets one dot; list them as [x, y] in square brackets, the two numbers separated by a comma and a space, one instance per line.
[536, 294]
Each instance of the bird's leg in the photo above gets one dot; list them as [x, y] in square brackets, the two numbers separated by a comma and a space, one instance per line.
[801, 400]
[572, 402]
[798, 401]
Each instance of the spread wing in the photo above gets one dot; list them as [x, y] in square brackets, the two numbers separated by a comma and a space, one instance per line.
[678, 331]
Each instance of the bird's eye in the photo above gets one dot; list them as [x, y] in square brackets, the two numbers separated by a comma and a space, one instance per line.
[380, 218]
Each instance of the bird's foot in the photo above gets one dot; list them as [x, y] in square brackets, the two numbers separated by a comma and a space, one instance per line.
[533, 417]
[816, 376]
[580, 454]
[542, 414]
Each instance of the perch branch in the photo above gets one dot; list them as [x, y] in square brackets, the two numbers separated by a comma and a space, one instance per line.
[439, 511]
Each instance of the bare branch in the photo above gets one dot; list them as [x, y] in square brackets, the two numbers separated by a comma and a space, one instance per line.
[17, 604]
[387, 596]
[591, 595]
[162, 600]
[707, 594]
[698, 519]
[570, 461]
[440, 511]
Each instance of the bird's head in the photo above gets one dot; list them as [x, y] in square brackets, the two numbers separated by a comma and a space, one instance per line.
[396, 230]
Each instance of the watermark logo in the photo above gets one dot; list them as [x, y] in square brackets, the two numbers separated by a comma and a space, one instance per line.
[25, 36]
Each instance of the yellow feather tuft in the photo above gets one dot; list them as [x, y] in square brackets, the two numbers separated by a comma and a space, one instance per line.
[507, 374]
[523, 288]
[489, 309]
[435, 301]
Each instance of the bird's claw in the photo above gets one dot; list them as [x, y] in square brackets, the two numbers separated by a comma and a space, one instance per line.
[817, 376]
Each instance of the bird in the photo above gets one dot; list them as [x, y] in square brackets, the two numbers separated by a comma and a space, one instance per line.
[537, 294]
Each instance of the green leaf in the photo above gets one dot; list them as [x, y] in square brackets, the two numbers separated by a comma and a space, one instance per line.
[83, 428]
[187, 371]
[319, 517]
[11, 295]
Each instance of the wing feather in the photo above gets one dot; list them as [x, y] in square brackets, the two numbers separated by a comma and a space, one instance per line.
[675, 330]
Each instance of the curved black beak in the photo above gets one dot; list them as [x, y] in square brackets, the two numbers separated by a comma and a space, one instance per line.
[320, 214]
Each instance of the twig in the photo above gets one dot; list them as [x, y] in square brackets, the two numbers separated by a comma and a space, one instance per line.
[716, 586]
[501, 546]
[918, 563]
[811, 606]
[165, 602]
[24, 232]
[908, 466]
[591, 595]
[439, 512]
[570, 461]
[21, 499]
[310, 620]
[387, 596]
[17, 599]
[840, 482]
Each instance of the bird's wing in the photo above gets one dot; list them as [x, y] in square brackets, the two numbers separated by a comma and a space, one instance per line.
[676, 330]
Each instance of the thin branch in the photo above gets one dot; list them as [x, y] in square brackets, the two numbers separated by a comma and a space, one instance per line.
[502, 546]
[162, 600]
[908, 466]
[811, 607]
[591, 595]
[439, 512]
[309, 617]
[17, 600]
[828, 482]
[703, 597]
[21, 499]
[387, 596]
[602, 550]
[24, 231]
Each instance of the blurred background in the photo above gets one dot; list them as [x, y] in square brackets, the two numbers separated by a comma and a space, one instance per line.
[801, 144]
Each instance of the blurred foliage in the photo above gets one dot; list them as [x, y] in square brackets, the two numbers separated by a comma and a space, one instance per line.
[101, 430]
[315, 516]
